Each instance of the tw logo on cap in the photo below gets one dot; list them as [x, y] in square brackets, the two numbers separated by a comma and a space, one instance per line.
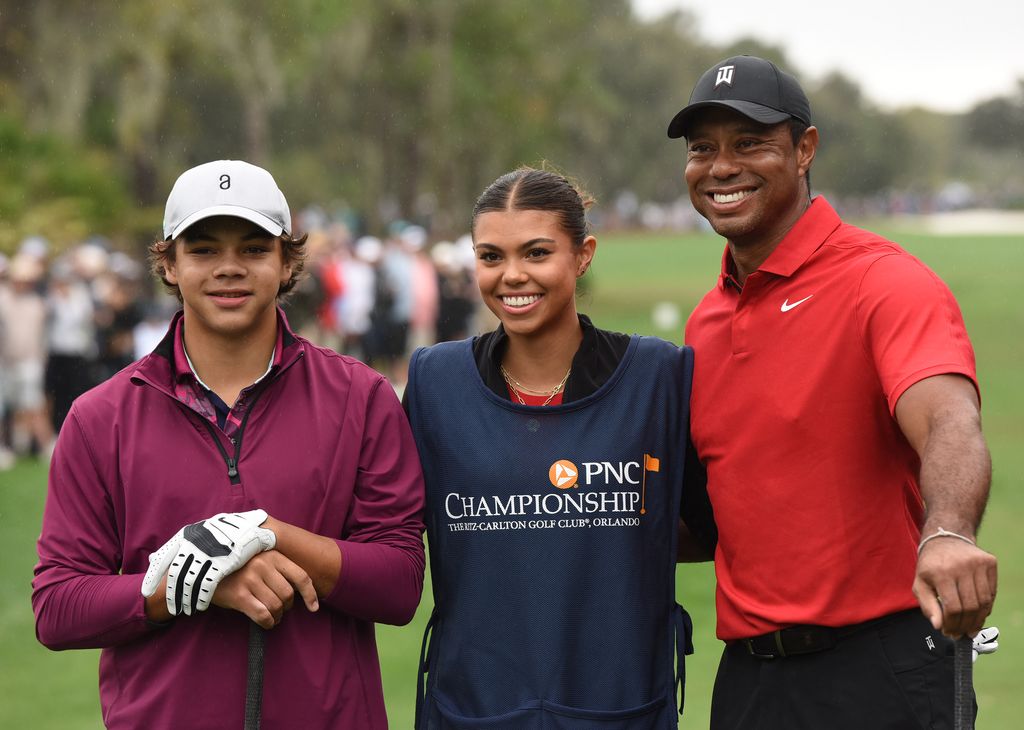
[724, 76]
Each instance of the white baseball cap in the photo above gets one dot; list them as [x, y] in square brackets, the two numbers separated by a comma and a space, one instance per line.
[226, 187]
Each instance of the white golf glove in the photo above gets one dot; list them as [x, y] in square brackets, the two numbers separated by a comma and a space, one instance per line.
[201, 554]
[986, 642]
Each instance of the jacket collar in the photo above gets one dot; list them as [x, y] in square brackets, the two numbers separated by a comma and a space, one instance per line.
[167, 364]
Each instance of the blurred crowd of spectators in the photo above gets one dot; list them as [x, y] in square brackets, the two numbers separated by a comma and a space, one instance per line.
[68, 321]
[380, 298]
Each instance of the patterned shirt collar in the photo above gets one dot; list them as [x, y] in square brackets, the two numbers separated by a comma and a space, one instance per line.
[191, 391]
[183, 365]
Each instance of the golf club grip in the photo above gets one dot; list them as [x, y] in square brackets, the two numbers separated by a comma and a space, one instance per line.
[963, 684]
[254, 678]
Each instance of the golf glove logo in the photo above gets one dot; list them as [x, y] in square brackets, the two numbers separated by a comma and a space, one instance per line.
[200, 555]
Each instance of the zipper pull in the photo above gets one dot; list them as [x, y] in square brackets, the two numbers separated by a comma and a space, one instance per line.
[232, 468]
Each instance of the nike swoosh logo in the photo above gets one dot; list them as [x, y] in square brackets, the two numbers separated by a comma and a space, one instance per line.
[786, 306]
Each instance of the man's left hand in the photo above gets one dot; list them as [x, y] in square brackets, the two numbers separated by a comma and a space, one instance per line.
[201, 554]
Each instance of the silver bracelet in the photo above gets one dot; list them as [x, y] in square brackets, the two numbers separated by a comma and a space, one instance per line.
[943, 533]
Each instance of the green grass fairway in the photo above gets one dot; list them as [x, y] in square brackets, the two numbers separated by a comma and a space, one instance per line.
[45, 690]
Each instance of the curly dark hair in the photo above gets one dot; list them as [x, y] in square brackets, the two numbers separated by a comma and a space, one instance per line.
[293, 251]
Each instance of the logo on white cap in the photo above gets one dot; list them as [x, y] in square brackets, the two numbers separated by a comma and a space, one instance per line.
[724, 76]
[229, 188]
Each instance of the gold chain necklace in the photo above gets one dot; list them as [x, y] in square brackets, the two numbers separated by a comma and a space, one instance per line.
[516, 386]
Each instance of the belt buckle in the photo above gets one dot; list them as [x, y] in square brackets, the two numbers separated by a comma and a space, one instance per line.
[779, 650]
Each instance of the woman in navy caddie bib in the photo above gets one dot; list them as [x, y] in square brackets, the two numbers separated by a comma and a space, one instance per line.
[555, 458]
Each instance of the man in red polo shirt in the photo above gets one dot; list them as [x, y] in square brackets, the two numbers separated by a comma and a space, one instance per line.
[835, 406]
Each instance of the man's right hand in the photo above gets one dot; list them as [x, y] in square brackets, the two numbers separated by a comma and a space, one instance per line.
[265, 587]
[955, 585]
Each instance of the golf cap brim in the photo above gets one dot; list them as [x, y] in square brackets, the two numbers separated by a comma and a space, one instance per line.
[253, 216]
[758, 112]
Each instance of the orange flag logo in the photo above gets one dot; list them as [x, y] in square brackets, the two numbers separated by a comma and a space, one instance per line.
[651, 463]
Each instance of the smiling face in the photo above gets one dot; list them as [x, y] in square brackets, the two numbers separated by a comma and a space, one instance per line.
[229, 272]
[748, 179]
[526, 268]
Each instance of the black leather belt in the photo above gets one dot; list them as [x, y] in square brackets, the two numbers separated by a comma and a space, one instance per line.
[793, 641]
[807, 639]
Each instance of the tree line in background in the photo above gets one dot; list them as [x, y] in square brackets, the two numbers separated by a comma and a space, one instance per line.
[406, 109]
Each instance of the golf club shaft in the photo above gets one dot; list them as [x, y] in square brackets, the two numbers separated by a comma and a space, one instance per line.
[254, 678]
[963, 685]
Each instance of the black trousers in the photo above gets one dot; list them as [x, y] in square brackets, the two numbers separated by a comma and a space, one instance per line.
[895, 673]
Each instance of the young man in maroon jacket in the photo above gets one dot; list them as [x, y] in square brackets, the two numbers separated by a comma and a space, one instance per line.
[203, 487]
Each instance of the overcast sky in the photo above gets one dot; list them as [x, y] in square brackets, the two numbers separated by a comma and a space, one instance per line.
[945, 56]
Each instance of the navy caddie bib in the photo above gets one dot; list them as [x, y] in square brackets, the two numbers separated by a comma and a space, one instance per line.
[552, 534]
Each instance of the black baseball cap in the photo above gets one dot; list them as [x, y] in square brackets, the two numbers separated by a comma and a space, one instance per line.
[752, 86]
